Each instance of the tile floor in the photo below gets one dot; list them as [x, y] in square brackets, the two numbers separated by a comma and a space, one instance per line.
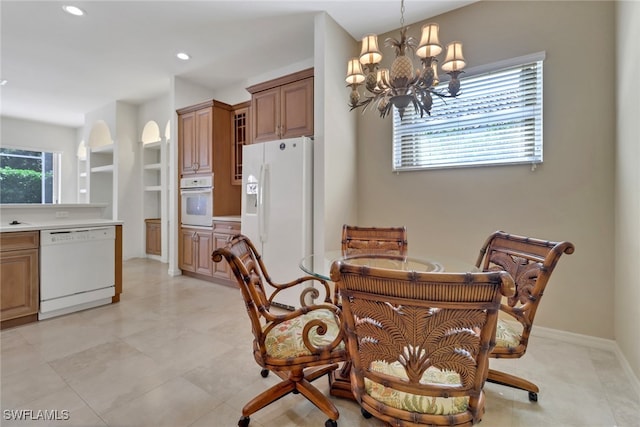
[177, 352]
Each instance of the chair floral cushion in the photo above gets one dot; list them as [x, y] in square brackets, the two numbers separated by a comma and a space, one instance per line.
[412, 402]
[285, 340]
[508, 334]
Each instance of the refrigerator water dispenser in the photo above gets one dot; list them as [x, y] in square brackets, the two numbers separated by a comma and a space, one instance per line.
[251, 195]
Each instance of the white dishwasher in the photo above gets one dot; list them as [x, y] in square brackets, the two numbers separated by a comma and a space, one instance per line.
[77, 269]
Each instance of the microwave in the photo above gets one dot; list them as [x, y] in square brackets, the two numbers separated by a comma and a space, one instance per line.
[196, 197]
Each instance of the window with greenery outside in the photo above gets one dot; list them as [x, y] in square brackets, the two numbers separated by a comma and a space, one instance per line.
[26, 176]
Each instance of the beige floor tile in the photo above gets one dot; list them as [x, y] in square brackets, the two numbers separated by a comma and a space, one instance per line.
[66, 409]
[175, 403]
[28, 385]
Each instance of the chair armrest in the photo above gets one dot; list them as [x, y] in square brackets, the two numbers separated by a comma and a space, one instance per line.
[312, 324]
[315, 293]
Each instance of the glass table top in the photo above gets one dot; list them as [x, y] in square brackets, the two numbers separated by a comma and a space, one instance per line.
[319, 265]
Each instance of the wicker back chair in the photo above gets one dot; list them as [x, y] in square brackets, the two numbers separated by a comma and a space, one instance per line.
[374, 240]
[298, 346]
[530, 262]
[419, 342]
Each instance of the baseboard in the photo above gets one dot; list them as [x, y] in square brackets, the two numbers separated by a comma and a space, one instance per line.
[593, 342]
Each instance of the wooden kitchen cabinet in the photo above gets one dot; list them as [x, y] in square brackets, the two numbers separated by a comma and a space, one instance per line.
[204, 148]
[153, 236]
[223, 231]
[282, 108]
[195, 130]
[194, 251]
[19, 277]
[241, 137]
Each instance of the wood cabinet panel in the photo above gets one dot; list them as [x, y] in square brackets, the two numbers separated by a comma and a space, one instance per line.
[204, 249]
[195, 133]
[186, 250]
[187, 137]
[203, 145]
[241, 136]
[19, 276]
[266, 115]
[223, 231]
[153, 236]
[282, 108]
[297, 109]
[194, 251]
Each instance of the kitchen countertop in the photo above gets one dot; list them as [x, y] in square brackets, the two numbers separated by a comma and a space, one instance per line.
[5, 227]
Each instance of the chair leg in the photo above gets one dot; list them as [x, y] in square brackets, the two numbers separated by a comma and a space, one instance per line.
[316, 397]
[502, 378]
[293, 382]
[268, 396]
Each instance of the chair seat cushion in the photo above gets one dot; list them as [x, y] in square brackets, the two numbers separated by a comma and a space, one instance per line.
[285, 340]
[413, 402]
[508, 334]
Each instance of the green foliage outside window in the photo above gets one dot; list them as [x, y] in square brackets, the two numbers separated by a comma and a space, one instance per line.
[24, 175]
[21, 185]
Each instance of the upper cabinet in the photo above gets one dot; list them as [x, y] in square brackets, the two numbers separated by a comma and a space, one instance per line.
[195, 130]
[282, 108]
[241, 133]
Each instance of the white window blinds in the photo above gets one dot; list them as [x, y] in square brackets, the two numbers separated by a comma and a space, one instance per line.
[497, 119]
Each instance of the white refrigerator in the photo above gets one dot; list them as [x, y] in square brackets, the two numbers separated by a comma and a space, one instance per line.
[277, 208]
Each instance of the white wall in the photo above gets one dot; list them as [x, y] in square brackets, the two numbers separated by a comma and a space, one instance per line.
[123, 188]
[46, 137]
[129, 180]
[335, 188]
[569, 197]
[627, 250]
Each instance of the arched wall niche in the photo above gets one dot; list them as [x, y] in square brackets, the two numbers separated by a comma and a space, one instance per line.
[100, 134]
[151, 132]
[82, 151]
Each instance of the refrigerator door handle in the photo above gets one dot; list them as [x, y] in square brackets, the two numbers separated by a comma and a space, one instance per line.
[261, 203]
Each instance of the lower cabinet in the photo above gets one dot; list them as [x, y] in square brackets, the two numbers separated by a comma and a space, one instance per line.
[196, 246]
[19, 277]
[223, 231]
[154, 238]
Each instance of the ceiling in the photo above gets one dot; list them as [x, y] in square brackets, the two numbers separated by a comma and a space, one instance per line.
[59, 67]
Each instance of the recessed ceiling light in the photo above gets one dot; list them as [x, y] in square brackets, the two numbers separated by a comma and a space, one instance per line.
[183, 56]
[73, 10]
[3, 82]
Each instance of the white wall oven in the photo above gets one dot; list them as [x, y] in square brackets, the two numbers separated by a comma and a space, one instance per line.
[196, 195]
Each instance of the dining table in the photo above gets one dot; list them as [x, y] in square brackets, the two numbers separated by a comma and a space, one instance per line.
[319, 265]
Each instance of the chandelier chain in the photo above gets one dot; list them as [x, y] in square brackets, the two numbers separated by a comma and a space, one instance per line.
[402, 14]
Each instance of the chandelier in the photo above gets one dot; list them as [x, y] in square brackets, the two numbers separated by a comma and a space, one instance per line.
[400, 86]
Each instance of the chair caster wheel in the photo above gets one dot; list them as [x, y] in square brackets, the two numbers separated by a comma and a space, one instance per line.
[244, 422]
[365, 413]
[330, 423]
[533, 397]
[264, 373]
[295, 391]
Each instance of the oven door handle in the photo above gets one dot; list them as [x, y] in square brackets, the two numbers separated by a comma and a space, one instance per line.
[196, 190]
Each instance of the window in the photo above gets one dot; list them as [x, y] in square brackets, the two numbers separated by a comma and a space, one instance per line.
[29, 176]
[496, 120]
